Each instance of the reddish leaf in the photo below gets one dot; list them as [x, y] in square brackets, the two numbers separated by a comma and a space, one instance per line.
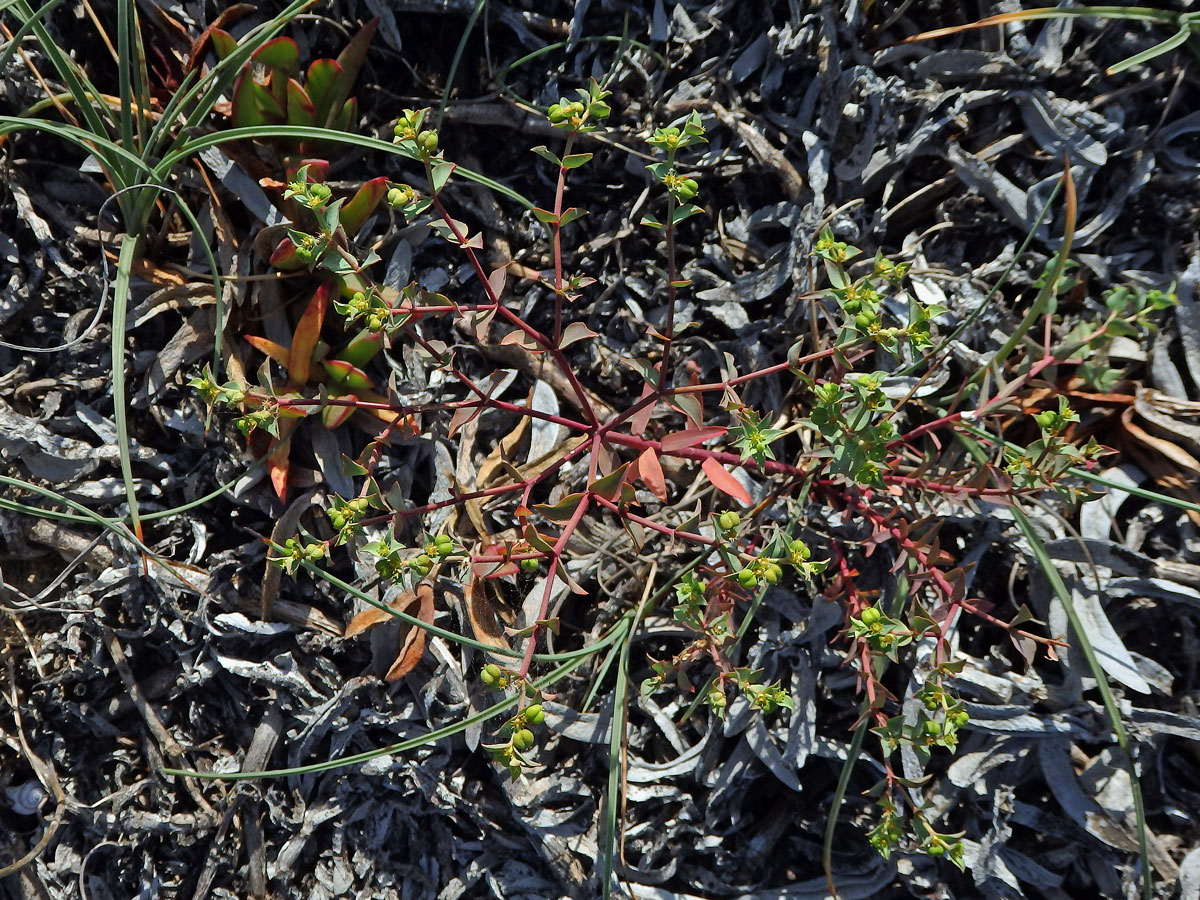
[318, 170]
[223, 43]
[322, 75]
[300, 109]
[279, 53]
[306, 335]
[352, 55]
[496, 281]
[278, 463]
[723, 481]
[354, 213]
[641, 419]
[576, 331]
[284, 257]
[275, 351]
[333, 416]
[347, 376]
[651, 473]
[690, 437]
[412, 646]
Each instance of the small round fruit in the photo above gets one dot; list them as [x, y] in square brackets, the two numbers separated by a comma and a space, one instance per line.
[490, 674]
[870, 615]
[534, 714]
[747, 579]
[523, 739]
[530, 565]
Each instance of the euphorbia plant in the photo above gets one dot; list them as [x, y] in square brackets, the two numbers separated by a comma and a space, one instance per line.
[855, 447]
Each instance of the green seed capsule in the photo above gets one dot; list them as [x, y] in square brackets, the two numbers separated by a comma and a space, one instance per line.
[428, 141]
[932, 727]
[530, 565]
[870, 615]
[747, 579]
[523, 739]
[534, 714]
[863, 321]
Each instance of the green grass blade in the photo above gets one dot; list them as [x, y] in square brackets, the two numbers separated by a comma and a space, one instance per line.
[1043, 298]
[454, 63]
[26, 28]
[125, 260]
[1176, 40]
[1110, 704]
[76, 82]
[110, 155]
[839, 795]
[125, 72]
[296, 132]
[403, 746]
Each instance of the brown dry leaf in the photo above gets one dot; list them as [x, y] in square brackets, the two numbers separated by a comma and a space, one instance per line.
[481, 612]
[412, 638]
[412, 644]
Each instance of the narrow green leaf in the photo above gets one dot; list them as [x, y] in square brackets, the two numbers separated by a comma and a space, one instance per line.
[575, 160]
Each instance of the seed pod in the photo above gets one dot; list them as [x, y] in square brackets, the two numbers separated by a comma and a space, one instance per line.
[747, 579]
[534, 714]
[523, 739]
[870, 615]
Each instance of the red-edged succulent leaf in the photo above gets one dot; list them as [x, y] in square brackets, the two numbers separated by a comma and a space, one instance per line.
[322, 76]
[335, 109]
[246, 106]
[333, 416]
[279, 458]
[352, 55]
[300, 109]
[690, 437]
[318, 170]
[362, 348]
[724, 481]
[223, 43]
[651, 473]
[284, 257]
[346, 375]
[354, 212]
[306, 335]
[279, 53]
[275, 351]
[346, 116]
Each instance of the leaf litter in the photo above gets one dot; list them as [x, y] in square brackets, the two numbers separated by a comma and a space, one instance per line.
[944, 151]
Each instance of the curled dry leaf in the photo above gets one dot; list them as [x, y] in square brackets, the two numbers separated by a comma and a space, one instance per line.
[412, 639]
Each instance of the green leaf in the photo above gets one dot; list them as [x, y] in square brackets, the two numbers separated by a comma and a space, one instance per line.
[570, 215]
[544, 153]
[346, 375]
[279, 53]
[545, 216]
[651, 222]
[299, 107]
[362, 204]
[609, 486]
[685, 212]
[321, 84]
[441, 174]
[562, 510]
[575, 160]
